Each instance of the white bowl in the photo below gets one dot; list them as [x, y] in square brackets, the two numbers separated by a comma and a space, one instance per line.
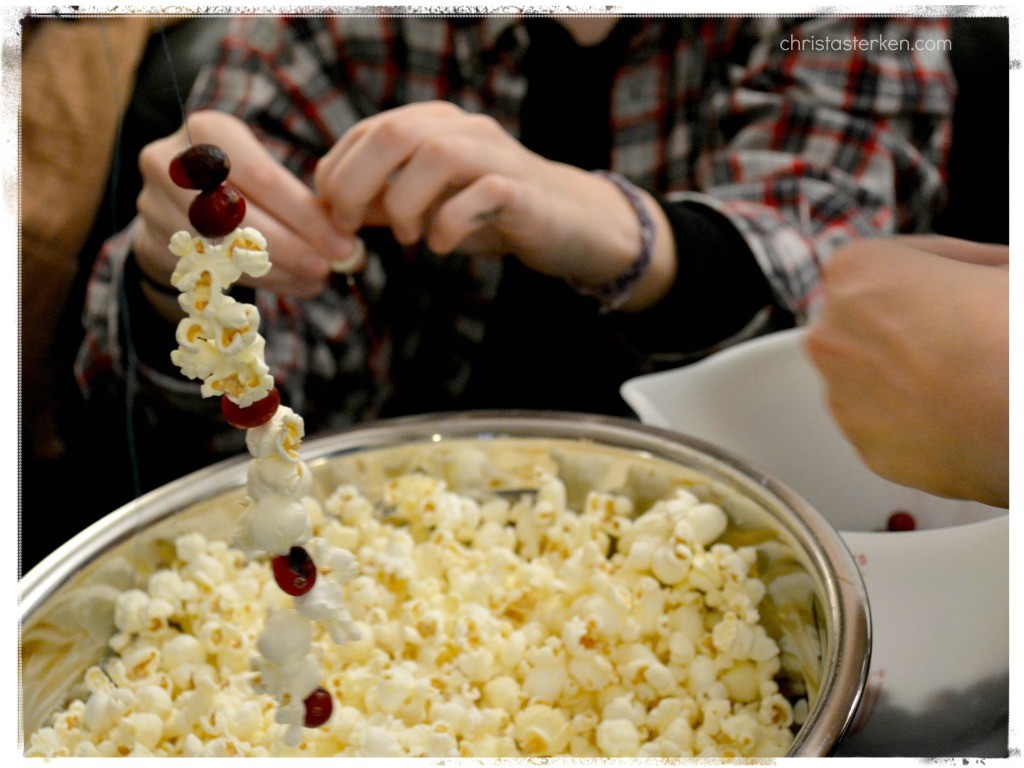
[939, 596]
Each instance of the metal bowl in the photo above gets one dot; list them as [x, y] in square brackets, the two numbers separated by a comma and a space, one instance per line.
[816, 606]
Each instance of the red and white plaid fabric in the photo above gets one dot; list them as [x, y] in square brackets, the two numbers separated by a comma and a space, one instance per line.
[800, 142]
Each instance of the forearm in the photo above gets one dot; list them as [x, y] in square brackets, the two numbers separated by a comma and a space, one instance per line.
[719, 291]
[621, 226]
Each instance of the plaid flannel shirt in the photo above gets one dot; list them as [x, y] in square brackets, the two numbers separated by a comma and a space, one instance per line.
[802, 146]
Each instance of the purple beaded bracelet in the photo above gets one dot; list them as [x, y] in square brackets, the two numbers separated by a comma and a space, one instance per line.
[615, 293]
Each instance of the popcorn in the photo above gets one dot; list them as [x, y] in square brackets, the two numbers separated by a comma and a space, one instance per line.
[546, 642]
[219, 343]
[707, 522]
[155, 700]
[167, 586]
[180, 650]
[141, 730]
[130, 611]
[503, 693]
[592, 672]
[286, 637]
[325, 603]
[248, 249]
[273, 476]
[190, 546]
[205, 570]
[618, 738]
[742, 683]
[274, 524]
[196, 256]
[280, 436]
[776, 710]
[541, 730]
[102, 712]
[547, 675]
[670, 563]
[244, 377]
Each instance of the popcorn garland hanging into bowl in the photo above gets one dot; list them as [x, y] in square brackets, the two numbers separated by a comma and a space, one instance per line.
[219, 343]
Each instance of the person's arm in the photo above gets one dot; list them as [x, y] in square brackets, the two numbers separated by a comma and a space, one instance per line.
[719, 297]
[812, 148]
[914, 349]
[804, 150]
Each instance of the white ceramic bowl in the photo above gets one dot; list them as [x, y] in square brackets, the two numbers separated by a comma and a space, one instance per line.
[939, 596]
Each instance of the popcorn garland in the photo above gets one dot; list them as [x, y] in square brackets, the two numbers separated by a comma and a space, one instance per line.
[219, 343]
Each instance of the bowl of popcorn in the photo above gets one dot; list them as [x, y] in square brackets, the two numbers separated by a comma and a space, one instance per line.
[929, 563]
[513, 585]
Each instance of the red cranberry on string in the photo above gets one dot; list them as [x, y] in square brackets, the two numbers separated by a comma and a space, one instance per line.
[253, 415]
[901, 521]
[216, 212]
[295, 573]
[318, 708]
[203, 167]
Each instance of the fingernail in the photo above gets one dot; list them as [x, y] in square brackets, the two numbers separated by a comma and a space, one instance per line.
[353, 262]
[339, 246]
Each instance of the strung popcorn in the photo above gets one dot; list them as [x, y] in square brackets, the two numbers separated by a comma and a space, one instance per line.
[219, 343]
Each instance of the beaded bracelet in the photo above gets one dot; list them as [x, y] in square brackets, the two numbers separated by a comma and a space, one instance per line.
[617, 292]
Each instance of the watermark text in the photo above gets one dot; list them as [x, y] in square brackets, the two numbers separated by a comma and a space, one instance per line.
[878, 43]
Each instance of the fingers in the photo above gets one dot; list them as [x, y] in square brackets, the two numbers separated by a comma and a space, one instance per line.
[281, 204]
[433, 173]
[300, 236]
[396, 168]
[297, 269]
[960, 250]
[150, 248]
[357, 171]
[162, 210]
[457, 180]
[492, 201]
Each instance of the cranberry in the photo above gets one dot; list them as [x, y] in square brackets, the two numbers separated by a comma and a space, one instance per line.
[295, 573]
[216, 212]
[318, 708]
[901, 521]
[203, 166]
[249, 416]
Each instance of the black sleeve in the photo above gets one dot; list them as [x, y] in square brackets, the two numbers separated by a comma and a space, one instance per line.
[174, 431]
[150, 334]
[719, 289]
